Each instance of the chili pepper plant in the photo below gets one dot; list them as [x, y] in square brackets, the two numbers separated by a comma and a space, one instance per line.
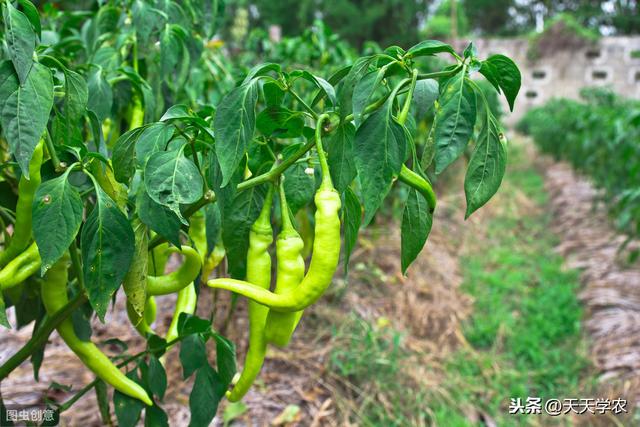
[114, 157]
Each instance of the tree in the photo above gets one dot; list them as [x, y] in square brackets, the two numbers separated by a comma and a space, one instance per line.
[386, 22]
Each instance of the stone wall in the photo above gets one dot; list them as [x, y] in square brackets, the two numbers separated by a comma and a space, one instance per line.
[612, 62]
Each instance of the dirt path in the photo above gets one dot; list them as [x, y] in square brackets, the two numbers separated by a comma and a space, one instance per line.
[611, 291]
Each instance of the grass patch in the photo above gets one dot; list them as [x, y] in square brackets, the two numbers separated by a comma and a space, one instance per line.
[524, 334]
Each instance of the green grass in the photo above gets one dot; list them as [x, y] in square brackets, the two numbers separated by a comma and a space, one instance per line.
[525, 331]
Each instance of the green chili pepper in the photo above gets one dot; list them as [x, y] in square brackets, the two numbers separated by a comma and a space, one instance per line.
[136, 117]
[324, 260]
[179, 279]
[54, 298]
[176, 281]
[185, 303]
[289, 273]
[22, 227]
[198, 233]
[259, 273]
[21, 267]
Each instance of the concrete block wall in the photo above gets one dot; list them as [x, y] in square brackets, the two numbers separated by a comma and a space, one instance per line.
[612, 62]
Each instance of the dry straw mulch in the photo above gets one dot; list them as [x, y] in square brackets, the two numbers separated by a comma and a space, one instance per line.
[611, 286]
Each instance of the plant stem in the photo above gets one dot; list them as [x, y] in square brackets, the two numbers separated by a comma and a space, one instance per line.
[52, 151]
[76, 264]
[438, 74]
[304, 104]
[404, 113]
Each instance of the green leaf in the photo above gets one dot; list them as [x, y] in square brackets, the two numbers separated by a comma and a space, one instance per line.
[100, 94]
[213, 225]
[352, 217]
[127, 409]
[320, 83]
[193, 354]
[124, 159]
[456, 117]
[429, 149]
[154, 416]
[339, 146]
[159, 218]
[171, 179]
[108, 244]
[280, 122]
[237, 219]
[31, 12]
[189, 324]
[145, 19]
[416, 225]
[135, 282]
[225, 358]
[56, 215]
[364, 90]
[334, 79]
[38, 355]
[424, 95]
[81, 320]
[8, 82]
[489, 71]
[154, 138]
[205, 396]
[103, 400]
[20, 39]
[356, 72]
[234, 125]
[299, 187]
[507, 75]
[429, 47]
[260, 70]
[273, 94]
[486, 166]
[156, 345]
[171, 49]
[157, 379]
[380, 148]
[76, 95]
[26, 113]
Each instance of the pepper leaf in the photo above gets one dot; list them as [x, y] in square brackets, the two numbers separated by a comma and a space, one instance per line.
[416, 225]
[171, 179]
[205, 396]
[506, 73]
[352, 213]
[26, 113]
[486, 166]
[57, 215]
[108, 244]
[234, 125]
[455, 117]
[157, 217]
[380, 148]
[339, 146]
[20, 39]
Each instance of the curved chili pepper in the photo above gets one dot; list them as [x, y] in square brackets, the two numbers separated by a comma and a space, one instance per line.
[21, 267]
[179, 279]
[54, 298]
